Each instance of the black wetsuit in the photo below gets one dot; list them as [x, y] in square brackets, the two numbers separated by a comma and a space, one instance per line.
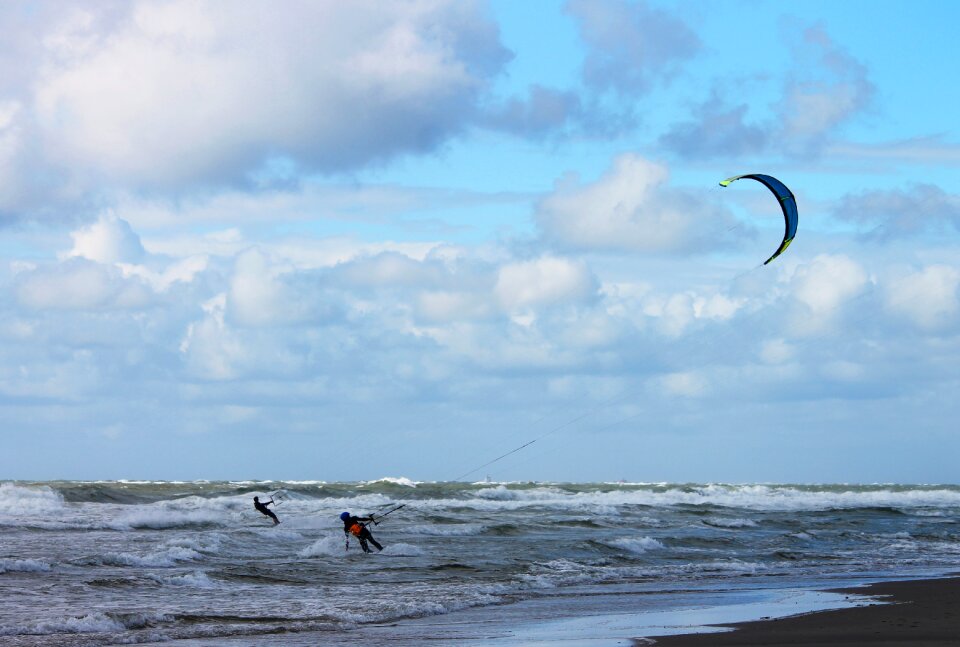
[262, 507]
[363, 533]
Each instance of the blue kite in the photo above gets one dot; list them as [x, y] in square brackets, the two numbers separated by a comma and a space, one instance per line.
[787, 202]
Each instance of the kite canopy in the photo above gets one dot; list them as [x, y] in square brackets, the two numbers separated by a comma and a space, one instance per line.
[787, 202]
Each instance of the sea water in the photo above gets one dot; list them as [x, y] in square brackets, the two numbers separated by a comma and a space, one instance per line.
[102, 563]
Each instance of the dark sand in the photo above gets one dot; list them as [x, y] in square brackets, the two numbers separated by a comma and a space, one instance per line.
[919, 613]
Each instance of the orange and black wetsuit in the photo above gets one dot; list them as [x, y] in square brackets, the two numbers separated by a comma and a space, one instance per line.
[355, 526]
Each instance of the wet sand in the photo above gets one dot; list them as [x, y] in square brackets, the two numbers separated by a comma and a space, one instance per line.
[918, 613]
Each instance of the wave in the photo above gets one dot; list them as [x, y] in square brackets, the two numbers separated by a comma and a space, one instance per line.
[23, 566]
[194, 580]
[54, 497]
[720, 522]
[90, 623]
[36, 499]
[402, 550]
[636, 545]
[747, 497]
[392, 480]
[169, 557]
[448, 530]
[160, 519]
[325, 546]
[97, 622]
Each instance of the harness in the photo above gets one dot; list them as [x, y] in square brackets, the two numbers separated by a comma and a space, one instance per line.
[356, 529]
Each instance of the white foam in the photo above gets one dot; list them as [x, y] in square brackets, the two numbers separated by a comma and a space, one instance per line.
[161, 559]
[638, 545]
[407, 550]
[158, 519]
[448, 530]
[90, 623]
[749, 497]
[195, 580]
[37, 500]
[23, 566]
[498, 493]
[721, 522]
[329, 545]
[395, 480]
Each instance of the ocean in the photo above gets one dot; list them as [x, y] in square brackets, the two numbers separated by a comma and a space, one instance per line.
[192, 563]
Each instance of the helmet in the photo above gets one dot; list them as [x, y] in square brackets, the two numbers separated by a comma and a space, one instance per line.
[256, 498]
[344, 515]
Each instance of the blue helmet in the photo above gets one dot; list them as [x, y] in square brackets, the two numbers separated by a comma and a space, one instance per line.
[344, 515]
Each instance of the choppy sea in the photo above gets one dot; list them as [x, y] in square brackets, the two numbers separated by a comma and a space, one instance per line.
[192, 563]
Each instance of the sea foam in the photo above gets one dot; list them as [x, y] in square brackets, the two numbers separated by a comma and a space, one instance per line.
[23, 566]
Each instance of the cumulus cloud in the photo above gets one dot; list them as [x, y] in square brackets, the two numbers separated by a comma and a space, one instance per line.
[825, 287]
[542, 281]
[900, 213]
[182, 94]
[632, 208]
[79, 284]
[177, 92]
[108, 240]
[828, 89]
[544, 111]
[630, 44]
[929, 298]
[212, 350]
[717, 129]
[813, 107]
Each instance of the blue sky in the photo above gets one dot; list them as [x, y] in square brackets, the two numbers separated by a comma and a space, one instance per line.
[357, 240]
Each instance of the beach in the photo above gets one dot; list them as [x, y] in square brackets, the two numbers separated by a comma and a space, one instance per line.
[914, 613]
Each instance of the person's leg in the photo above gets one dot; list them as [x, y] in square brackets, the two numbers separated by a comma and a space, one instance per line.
[369, 537]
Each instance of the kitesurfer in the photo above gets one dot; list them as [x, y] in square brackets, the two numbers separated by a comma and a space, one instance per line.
[262, 508]
[357, 526]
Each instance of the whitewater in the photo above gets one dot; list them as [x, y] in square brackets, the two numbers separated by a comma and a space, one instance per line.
[192, 563]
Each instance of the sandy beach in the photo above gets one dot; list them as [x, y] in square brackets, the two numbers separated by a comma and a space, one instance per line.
[918, 613]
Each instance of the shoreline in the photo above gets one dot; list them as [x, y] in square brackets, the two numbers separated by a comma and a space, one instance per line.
[911, 613]
[906, 613]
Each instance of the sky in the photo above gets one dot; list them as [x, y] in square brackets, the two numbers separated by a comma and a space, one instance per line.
[348, 241]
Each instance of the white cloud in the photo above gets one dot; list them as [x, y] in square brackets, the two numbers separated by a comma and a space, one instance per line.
[899, 213]
[444, 306]
[631, 208]
[776, 351]
[928, 298]
[915, 150]
[813, 106]
[687, 384]
[825, 286]
[80, 285]
[108, 240]
[181, 271]
[825, 89]
[186, 92]
[542, 281]
[212, 350]
[630, 45]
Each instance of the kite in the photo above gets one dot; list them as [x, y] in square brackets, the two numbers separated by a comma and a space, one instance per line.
[787, 202]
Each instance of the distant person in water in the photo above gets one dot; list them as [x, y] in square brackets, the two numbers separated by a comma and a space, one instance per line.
[355, 526]
[262, 508]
